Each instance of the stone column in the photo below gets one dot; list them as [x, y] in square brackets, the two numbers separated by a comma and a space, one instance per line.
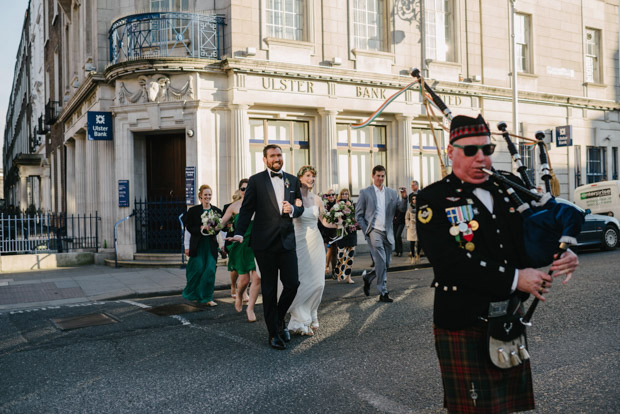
[46, 188]
[70, 144]
[124, 168]
[240, 147]
[23, 190]
[404, 150]
[92, 179]
[105, 150]
[327, 144]
[80, 174]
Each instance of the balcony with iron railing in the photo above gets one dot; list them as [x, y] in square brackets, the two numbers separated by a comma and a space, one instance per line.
[167, 34]
[52, 110]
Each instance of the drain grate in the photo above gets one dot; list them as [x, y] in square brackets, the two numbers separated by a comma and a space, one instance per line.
[175, 309]
[83, 321]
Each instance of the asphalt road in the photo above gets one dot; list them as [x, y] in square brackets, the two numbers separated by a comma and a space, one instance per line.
[367, 357]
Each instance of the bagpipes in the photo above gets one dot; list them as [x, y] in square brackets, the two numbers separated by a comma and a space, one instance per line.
[549, 227]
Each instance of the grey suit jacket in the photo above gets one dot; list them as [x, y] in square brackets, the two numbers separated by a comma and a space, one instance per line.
[366, 210]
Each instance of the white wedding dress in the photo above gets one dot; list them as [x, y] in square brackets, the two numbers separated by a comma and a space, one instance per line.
[311, 265]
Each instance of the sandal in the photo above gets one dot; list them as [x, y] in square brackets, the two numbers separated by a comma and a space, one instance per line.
[211, 303]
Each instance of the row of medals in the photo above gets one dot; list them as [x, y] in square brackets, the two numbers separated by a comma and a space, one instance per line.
[465, 231]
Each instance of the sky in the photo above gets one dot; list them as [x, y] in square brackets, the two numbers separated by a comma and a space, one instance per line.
[11, 23]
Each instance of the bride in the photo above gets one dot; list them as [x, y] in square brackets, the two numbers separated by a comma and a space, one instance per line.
[310, 257]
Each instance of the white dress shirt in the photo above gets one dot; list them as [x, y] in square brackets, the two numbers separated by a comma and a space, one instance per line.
[278, 187]
[380, 216]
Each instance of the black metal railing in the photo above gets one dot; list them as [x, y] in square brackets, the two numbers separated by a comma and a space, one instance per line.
[45, 232]
[157, 225]
[167, 34]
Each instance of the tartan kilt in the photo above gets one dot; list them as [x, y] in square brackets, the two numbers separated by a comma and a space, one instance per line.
[465, 363]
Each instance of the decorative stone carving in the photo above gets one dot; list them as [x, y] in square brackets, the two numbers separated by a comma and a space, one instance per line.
[155, 88]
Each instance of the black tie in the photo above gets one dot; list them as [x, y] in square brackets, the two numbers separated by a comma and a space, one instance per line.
[276, 174]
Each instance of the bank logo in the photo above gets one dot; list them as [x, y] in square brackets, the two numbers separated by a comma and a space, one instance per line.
[100, 119]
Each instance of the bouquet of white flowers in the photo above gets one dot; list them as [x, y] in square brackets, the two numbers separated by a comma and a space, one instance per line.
[343, 214]
[211, 221]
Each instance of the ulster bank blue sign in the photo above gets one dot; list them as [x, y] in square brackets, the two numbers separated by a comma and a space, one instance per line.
[100, 126]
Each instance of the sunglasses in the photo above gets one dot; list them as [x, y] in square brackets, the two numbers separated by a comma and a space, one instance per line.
[242, 188]
[331, 195]
[471, 150]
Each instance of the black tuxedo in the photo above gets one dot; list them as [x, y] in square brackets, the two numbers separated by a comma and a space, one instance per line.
[273, 242]
[467, 281]
[192, 222]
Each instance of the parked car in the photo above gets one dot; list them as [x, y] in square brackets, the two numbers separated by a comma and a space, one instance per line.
[597, 229]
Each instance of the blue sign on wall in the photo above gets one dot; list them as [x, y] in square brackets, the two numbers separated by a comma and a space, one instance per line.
[564, 136]
[100, 126]
[190, 185]
[123, 193]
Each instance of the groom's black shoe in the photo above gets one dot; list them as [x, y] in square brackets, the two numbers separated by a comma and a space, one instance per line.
[284, 333]
[366, 286]
[385, 298]
[276, 342]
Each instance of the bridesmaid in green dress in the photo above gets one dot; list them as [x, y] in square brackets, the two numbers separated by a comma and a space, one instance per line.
[200, 271]
[241, 259]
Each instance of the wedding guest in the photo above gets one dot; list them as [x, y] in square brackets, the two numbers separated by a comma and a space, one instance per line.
[229, 233]
[412, 232]
[329, 234]
[399, 226]
[203, 249]
[241, 259]
[346, 246]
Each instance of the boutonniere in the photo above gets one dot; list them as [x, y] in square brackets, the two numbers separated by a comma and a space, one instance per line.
[286, 183]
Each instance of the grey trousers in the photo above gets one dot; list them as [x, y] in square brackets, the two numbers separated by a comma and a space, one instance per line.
[381, 251]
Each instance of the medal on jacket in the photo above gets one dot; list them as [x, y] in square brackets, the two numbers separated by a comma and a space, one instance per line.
[463, 225]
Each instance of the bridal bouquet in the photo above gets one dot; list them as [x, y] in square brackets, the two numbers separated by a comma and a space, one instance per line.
[211, 221]
[343, 214]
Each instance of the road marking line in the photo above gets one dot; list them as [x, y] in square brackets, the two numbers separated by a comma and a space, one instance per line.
[140, 305]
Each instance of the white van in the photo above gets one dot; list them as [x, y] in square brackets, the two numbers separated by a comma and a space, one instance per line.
[601, 198]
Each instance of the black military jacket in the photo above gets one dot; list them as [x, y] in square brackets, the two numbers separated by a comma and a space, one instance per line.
[474, 252]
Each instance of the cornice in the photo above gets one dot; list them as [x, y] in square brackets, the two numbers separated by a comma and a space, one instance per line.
[396, 81]
[85, 89]
[163, 64]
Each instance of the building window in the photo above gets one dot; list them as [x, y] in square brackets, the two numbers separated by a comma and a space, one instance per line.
[523, 42]
[614, 165]
[527, 158]
[369, 25]
[426, 163]
[440, 33]
[593, 55]
[577, 165]
[169, 5]
[359, 150]
[285, 19]
[291, 136]
[597, 170]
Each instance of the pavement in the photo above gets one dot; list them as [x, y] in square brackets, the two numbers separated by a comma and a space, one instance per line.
[46, 288]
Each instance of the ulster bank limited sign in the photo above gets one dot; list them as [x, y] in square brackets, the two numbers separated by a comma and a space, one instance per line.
[100, 126]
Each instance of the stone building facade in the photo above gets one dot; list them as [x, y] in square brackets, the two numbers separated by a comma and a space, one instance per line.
[206, 84]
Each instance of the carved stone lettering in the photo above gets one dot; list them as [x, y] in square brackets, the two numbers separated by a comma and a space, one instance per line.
[288, 85]
[371, 93]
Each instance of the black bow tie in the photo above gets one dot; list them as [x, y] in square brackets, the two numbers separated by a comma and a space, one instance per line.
[276, 174]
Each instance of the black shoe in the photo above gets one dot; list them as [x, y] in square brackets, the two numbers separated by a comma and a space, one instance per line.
[385, 298]
[366, 286]
[277, 343]
[285, 335]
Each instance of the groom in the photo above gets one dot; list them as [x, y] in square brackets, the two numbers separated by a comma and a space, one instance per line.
[270, 196]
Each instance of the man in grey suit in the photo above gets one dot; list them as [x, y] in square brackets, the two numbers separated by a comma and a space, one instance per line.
[375, 211]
